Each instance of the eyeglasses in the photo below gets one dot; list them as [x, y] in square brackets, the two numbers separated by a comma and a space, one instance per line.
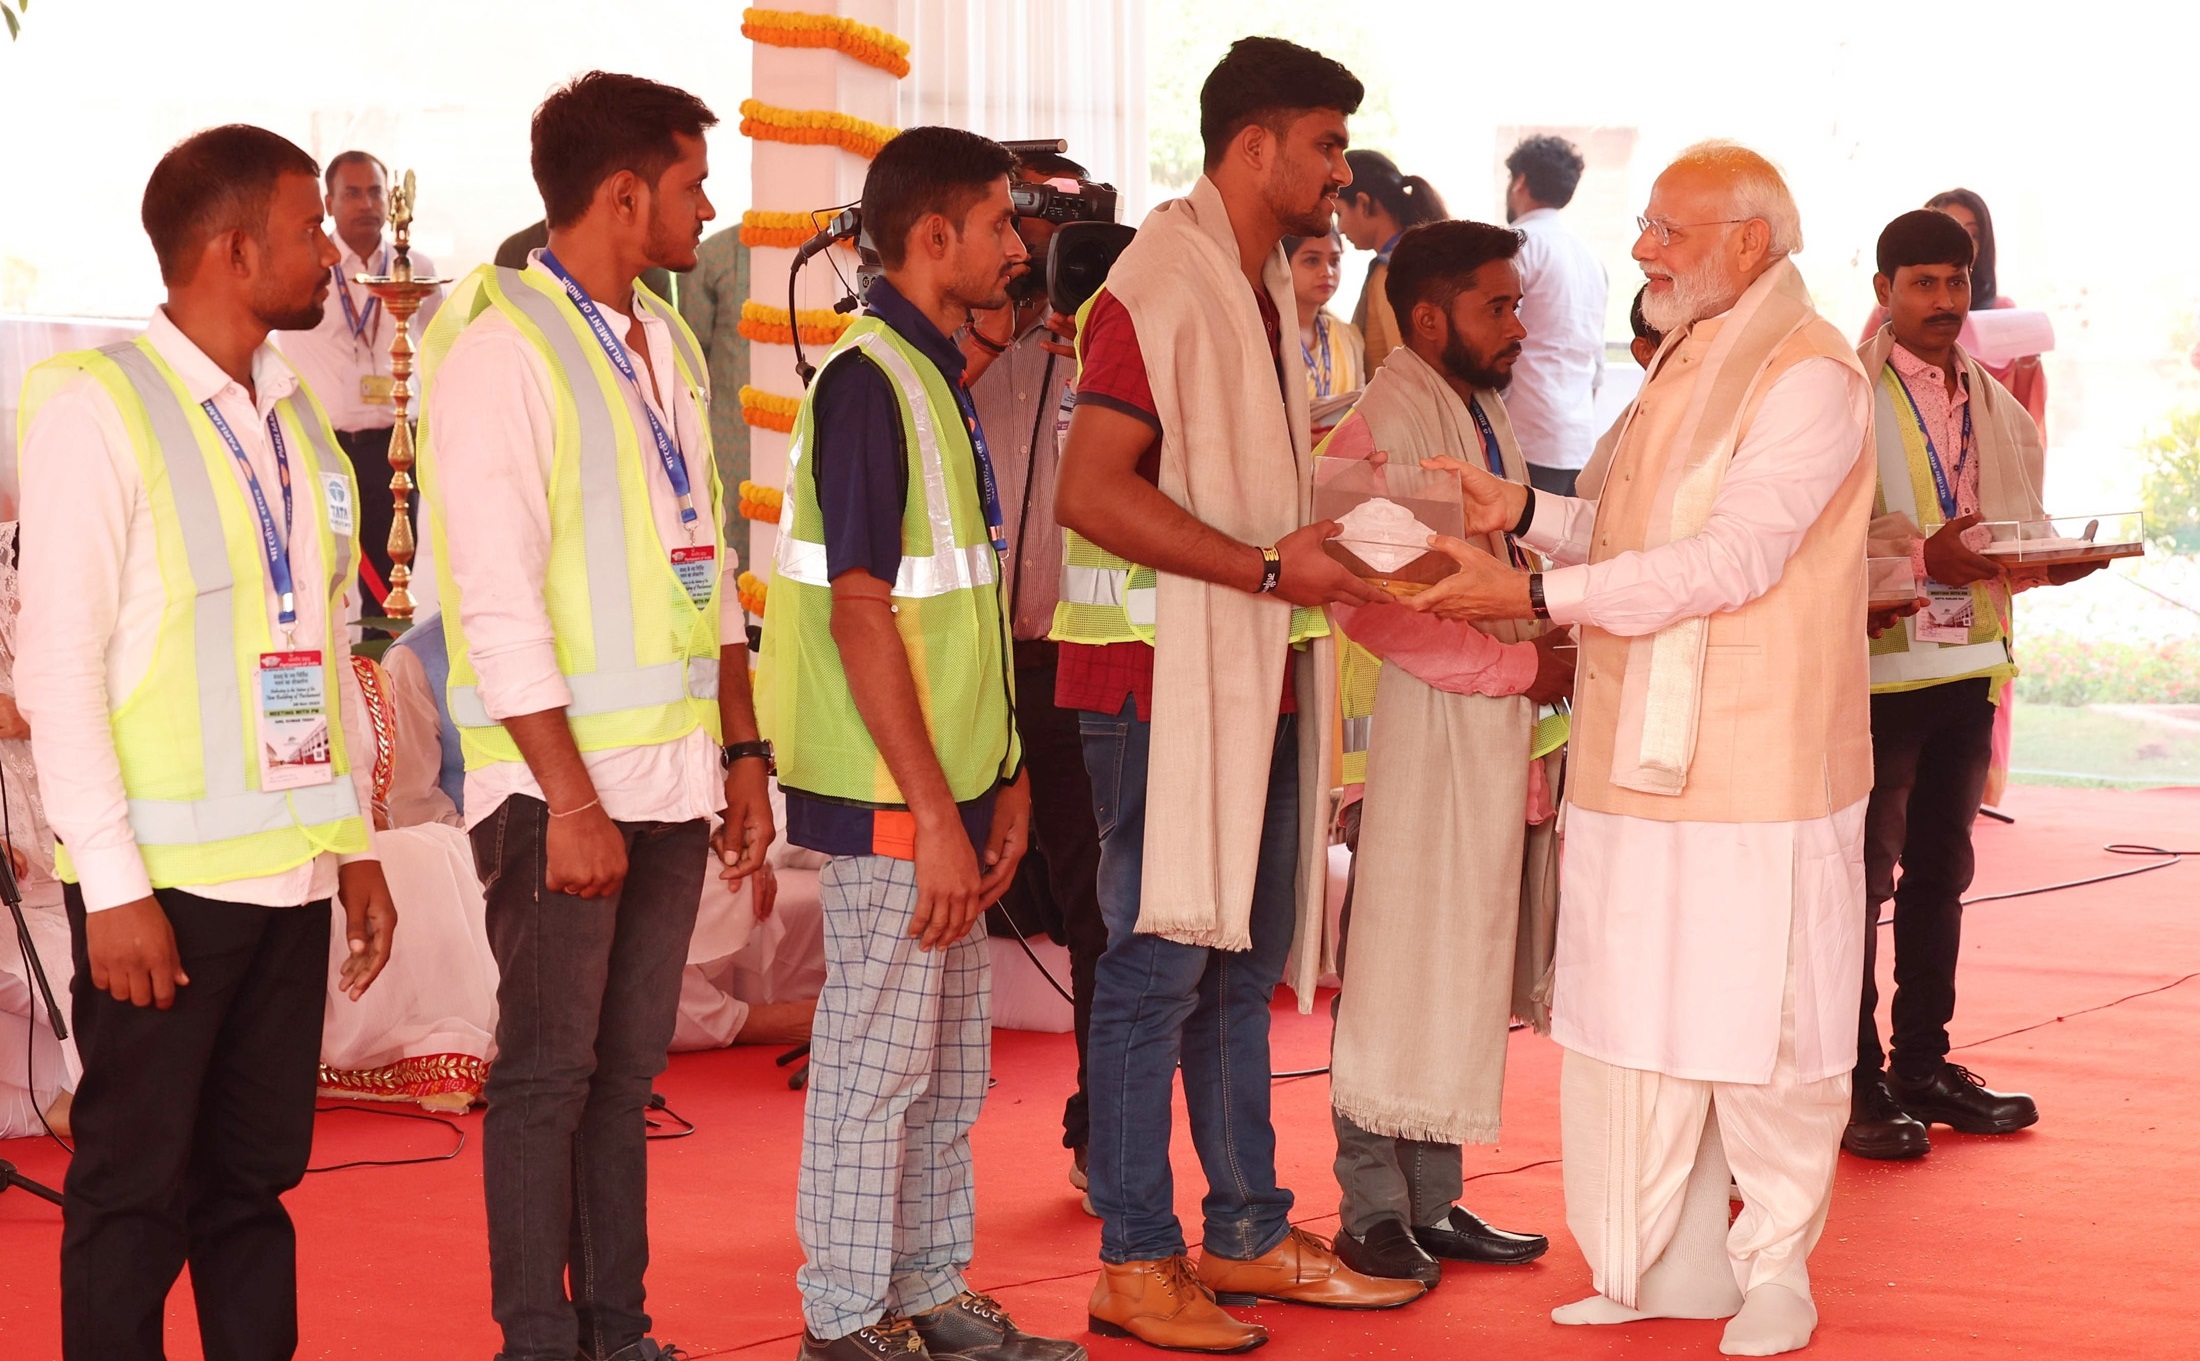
[1663, 230]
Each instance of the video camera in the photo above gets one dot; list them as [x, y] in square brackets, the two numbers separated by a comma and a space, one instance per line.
[1085, 243]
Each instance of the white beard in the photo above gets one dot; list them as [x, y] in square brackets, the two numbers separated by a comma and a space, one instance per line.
[1692, 297]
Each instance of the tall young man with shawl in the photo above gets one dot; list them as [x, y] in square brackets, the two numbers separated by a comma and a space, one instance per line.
[1708, 962]
[1191, 583]
[1952, 447]
[1447, 928]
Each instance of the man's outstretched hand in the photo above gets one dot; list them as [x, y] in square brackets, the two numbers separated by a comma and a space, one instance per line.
[1312, 577]
[1492, 504]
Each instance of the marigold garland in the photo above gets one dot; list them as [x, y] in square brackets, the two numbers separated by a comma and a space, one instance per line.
[785, 28]
[761, 504]
[814, 127]
[751, 590]
[784, 230]
[760, 321]
[768, 410]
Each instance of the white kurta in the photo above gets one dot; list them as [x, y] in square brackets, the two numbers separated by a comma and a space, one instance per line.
[1673, 936]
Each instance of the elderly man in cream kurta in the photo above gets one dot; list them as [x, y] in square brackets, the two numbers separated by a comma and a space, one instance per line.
[1708, 962]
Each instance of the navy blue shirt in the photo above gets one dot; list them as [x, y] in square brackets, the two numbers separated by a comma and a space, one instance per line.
[862, 474]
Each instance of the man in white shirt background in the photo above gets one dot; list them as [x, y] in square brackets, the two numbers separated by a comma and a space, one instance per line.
[188, 529]
[1552, 400]
[346, 358]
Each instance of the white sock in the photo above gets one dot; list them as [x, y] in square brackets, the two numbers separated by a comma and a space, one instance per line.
[1774, 1319]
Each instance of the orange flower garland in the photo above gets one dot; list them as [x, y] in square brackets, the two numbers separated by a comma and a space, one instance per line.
[813, 127]
[771, 325]
[761, 504]
[871, 46]
[768, 410]
[751, 590]
[784, 230]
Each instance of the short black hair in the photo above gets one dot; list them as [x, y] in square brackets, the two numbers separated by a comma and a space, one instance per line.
[925, 171]
[1985, 268]
[1269, 81]
[599, 124]
[1409, 199]
[218, 180]
[1552, 167]
[1640, 324]
[1436, 261]
[344, 158]
[1923, 236]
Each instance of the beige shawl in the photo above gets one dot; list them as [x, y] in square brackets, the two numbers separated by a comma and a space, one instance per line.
[1662, 693]
[1241, 461]
[1454, 903]
[2012, 465]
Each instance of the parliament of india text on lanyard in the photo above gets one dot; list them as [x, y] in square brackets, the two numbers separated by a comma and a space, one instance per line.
[294, 737]
[1942, 486]
[696, 565]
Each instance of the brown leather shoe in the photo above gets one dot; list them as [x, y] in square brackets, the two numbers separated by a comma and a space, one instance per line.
[1302, 1269]
[1162, 1304]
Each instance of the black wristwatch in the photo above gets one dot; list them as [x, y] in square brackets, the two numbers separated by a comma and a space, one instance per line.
[759, 750]
[1535, 596]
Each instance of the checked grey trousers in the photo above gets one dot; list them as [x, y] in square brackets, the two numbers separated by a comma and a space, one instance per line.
[899, 1059]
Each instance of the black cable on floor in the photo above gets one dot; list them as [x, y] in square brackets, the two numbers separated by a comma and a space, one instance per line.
[456, 1148]
[2113, 848]
[657, 1103]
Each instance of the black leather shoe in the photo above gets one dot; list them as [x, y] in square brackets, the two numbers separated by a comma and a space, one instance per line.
[889, 1339]
[1465, 1238]
[1878, 1128]
[974, 1327]
[648, 1349]
[1388, 1251]
[1956, 1097]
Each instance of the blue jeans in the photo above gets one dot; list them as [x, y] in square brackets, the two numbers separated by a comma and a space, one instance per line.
[1158, 1004]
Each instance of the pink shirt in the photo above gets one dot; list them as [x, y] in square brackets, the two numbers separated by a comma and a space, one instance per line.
[1942, 414]
[92, 602]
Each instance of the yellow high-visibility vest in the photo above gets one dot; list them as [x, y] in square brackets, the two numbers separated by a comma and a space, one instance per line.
[187, 737]
[639, 656]
[946, 598]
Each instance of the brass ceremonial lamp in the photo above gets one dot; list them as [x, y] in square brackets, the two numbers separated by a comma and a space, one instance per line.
[401, 296]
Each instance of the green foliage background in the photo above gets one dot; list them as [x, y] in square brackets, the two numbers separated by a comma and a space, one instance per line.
[2170, 494]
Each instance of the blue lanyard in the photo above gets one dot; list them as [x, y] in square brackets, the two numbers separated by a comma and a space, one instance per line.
[275, 545]
[1496, 460]
[988, 487]
[1324, 372]
[668, 453]
[360, 323]
[1941, 487]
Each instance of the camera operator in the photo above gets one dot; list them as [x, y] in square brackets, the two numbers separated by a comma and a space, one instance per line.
[1022, 390]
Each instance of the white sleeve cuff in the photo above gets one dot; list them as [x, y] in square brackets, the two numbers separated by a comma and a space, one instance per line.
[111, 876]
[1565, 594]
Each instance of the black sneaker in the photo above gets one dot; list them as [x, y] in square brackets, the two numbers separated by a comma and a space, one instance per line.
[1958, 1098]
[974, 1327]
[889, 1339]
[648, 1349]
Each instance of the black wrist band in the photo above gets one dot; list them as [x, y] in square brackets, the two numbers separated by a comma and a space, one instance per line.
[986, 342]
[1536, 606]
[1271, 570]
[1527, 513]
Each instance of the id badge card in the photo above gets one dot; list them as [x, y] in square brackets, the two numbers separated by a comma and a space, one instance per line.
[1948, 614]
[378, 389]
[336, 496]
[697, 569]
[294, 721]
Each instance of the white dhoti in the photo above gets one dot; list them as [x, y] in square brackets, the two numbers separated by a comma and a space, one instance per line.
[1645, 1152]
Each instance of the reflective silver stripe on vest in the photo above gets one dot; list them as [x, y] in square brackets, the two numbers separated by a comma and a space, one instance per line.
[1109, 587]
[949, 568]
[600, 692]
[307, 417]
[603, 535]
[230, 808]
[1356, 732]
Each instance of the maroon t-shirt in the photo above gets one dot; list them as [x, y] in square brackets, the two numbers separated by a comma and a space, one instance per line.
[1099, 677]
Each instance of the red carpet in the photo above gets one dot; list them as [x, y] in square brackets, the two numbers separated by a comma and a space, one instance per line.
[2073, 1239]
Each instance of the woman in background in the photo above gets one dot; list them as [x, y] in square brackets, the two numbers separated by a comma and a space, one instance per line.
[1375, 210]
[1335, 354]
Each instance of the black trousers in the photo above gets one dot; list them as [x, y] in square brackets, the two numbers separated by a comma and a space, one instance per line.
[1930, 752]
[370, 459]
[190, 1125]
[1067, 838]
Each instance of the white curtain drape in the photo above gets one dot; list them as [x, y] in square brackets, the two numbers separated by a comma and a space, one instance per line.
[1010, 69]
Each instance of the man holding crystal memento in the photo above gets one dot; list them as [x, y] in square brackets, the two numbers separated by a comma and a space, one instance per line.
[1444, 932]
[1708, 961]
